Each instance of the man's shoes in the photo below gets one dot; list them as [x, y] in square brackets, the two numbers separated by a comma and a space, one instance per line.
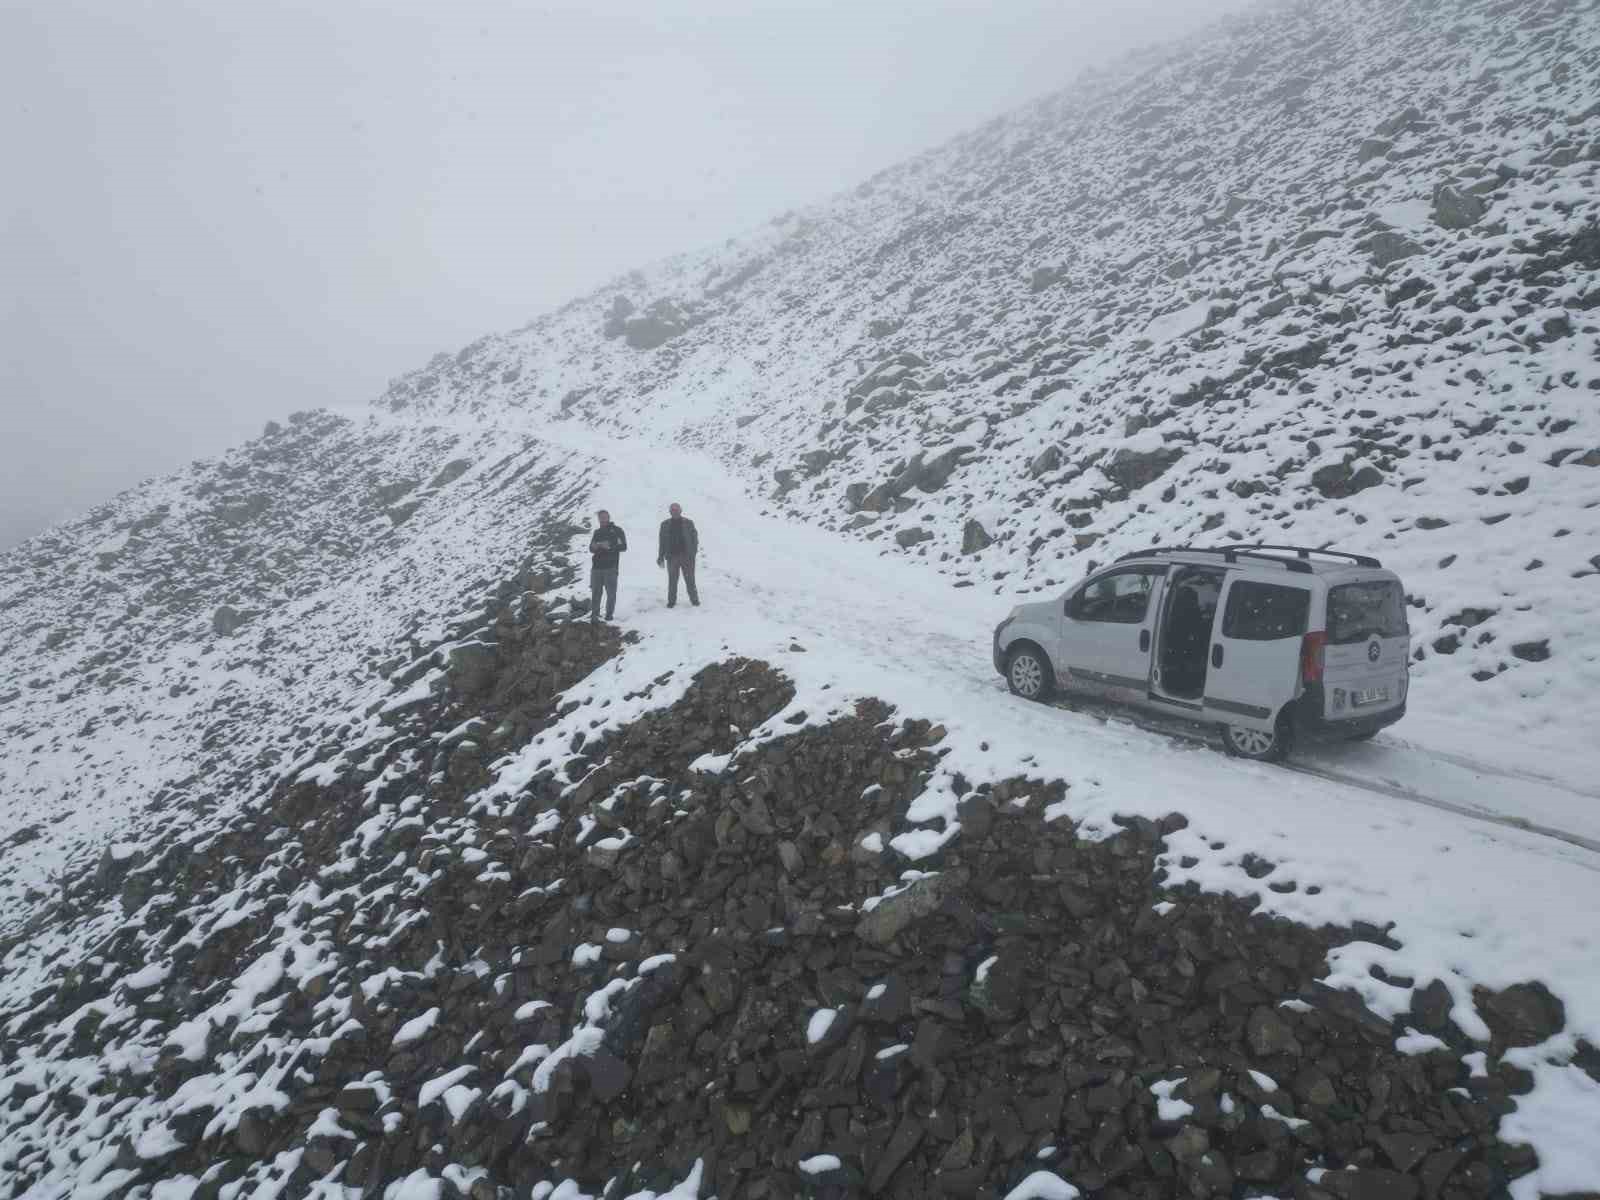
[696, 603]
[672, 605]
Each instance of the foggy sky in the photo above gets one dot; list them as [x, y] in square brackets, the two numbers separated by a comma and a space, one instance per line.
[220, 212]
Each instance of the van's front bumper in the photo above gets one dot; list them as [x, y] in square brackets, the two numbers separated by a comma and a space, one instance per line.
[1309, 722]
[999, 655]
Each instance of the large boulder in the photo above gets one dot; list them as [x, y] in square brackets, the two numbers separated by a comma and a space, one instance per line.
[1456, 208]
[1338, 480]
[229, 620]
[1132, 469]
[1389, 247]
[907, 905]
[617, 319]
[654, 327]
[1045, 461]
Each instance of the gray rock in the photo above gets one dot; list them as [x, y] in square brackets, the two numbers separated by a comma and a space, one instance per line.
[471, 667]
[450, 472]
[1134, 469]
[1337, 480]
[907, 538]
[1371, 1183]
[1372, 148]
[1400, 122]
[1456, 208]
[239, 512]
[974, 537]
[617, 319]
[906, 1137]
[657, 326]
[1430, 1007]
[1388, 247]
[1406, 1150]
[1523, 1014]
[1269, 1034]
[386, 494]
[1045, 461]
[228, 620]
[917, 900]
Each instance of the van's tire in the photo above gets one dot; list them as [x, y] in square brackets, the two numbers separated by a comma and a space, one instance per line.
[1257, 745]
[1028, 672]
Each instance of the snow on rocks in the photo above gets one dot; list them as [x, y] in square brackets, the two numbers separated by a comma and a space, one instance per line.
[406, 795]
[482, 1037]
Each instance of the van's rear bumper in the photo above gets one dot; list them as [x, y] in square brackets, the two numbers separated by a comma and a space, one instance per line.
[1309, 722]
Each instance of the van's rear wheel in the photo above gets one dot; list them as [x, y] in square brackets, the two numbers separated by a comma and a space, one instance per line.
[1028, 673]
[1258, 745]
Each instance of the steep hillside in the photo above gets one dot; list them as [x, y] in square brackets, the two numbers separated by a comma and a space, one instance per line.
[342, 857]
[1326, 276]
[752, 900]
[194, 637]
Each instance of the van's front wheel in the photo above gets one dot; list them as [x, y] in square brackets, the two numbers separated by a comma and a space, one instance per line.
[1028, 673]
[1258, 745]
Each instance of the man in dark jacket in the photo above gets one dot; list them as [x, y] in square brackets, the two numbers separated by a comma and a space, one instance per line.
[676, 550]
[607, 543]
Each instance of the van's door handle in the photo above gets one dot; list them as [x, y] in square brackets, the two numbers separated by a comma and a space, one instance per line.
[1144, 639]
[1216, 656]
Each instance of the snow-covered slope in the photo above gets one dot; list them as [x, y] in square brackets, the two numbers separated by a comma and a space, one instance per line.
[1325, 276]
[182, 643]
[336, 861]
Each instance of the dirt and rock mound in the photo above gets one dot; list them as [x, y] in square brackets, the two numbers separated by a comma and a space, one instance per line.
[691, 939]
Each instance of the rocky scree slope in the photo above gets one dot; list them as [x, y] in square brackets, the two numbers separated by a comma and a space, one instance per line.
[177, 649]
[1326, 276]
[631, 971]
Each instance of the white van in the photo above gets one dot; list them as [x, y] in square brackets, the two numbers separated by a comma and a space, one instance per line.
[1270, 643]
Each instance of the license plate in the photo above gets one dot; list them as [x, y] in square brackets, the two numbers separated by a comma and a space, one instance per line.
[1378, 695]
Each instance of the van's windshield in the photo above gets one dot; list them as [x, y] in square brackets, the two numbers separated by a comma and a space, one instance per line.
[1357, 611]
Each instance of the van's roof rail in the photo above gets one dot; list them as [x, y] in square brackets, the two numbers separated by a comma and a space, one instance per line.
[1305, 552]
[1230, 554]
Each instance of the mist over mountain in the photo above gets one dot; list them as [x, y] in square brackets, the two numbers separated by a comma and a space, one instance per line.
[342, 856]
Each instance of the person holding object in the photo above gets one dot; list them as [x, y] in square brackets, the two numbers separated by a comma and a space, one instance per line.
[605, 546]
[676, 550]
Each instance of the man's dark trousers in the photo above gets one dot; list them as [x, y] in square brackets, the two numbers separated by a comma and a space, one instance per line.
[601, 580]
[684, 564]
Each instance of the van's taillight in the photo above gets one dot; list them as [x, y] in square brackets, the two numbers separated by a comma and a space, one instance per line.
[1311, 648]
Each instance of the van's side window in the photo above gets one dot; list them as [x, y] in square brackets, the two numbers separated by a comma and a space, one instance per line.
[1265, 612]
[1123, 597]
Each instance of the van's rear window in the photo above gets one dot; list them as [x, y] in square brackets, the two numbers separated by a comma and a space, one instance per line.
[1265, 612]
[1357, 611]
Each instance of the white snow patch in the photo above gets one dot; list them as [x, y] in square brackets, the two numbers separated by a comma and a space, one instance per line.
[821, 1021]
[1168, 1107]
[416, 1028]
[1043, 1185]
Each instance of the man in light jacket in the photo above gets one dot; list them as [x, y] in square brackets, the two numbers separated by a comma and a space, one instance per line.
[678, 545]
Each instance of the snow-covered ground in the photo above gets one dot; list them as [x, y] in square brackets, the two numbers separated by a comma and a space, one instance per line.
[1327, 275]
[1470, 901]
